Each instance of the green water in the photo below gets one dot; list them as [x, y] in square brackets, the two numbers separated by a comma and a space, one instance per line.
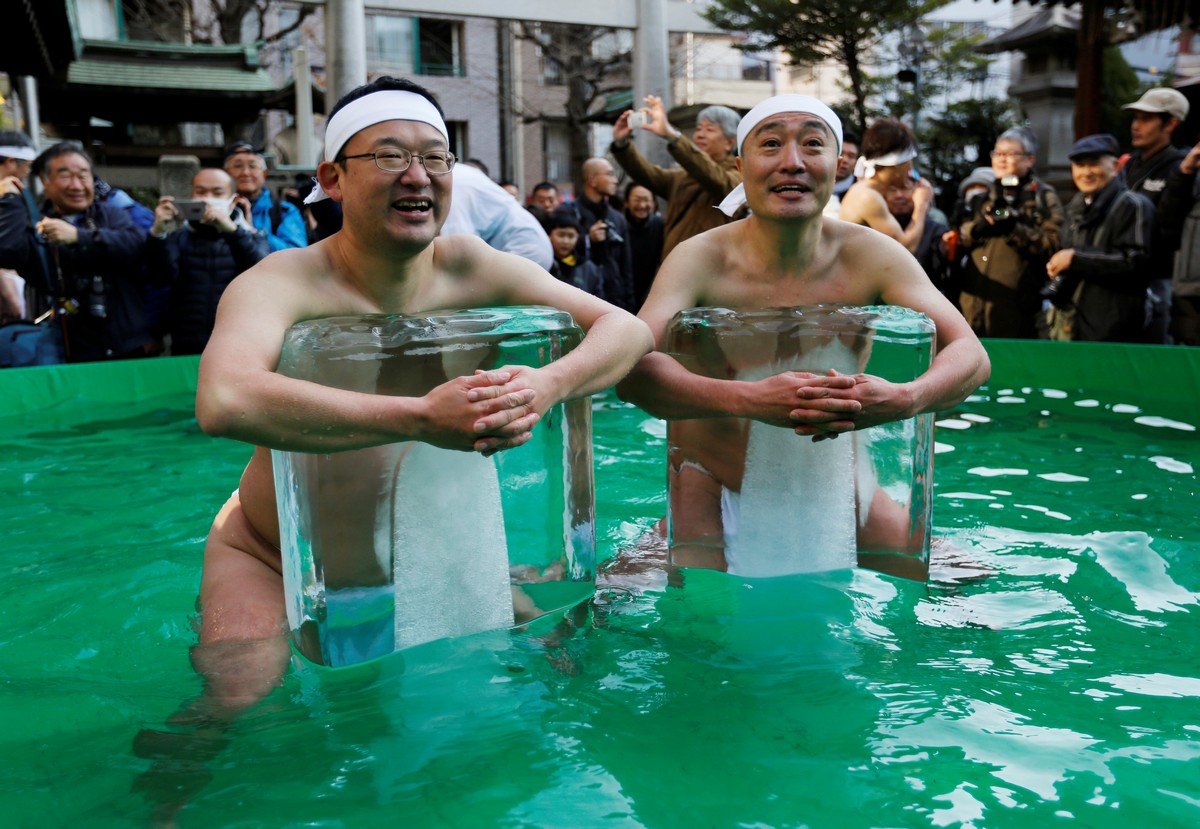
[1059, 685]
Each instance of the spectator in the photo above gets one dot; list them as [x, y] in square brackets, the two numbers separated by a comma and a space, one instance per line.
[604, 235]
[1185, 285]
[543, 201]
[1154, 170]
[888, 150]
[16, 156]
[564, 237]
[199, 260]
[94, 253]
[645, 238]
[512, 189]
[930, 252]
[707, 167]
[1099, 278]
[1009, 233]
[845, 173]
[481, 208]
[279, 221]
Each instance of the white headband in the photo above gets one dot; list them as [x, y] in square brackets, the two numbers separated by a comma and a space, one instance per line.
[23, 153]
[764, 110]
[385, 105]
[865, 167]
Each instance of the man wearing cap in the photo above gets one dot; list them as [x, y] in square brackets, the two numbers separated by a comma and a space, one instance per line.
[1099, 278]
[888, 149]
[279, 221]
[707, 168]
[1154, 169]
[786, 253]
[386, 160]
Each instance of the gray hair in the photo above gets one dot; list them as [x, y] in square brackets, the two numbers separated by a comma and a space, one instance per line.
[1022, 136]
[724, 117]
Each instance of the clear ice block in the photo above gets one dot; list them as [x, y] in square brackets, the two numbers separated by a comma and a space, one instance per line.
[395, 545]
[759, 500]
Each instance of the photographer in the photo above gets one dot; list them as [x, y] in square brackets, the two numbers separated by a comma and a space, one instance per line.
[198, 260]
[1010, 232]
[604, 233]
[1099, 279]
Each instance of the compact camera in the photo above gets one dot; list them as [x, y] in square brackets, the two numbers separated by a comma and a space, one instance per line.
[191, 209]
[638, 118]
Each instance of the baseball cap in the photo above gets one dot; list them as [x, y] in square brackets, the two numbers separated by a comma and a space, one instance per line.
[1098, 144]
[241, 147]
[1161, 99]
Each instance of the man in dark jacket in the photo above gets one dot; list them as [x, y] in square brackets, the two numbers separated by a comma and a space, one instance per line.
[94, 256]
[1100, 276]
[645, 238]
[604, 235]
[200, 259]
[1153, 170]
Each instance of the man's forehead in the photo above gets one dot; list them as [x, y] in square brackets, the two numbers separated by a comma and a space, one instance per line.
[69, 160]
[783, 119]
[400, 129]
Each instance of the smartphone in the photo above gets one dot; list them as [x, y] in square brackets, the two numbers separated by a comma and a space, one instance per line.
[191, 209]
[638, 118]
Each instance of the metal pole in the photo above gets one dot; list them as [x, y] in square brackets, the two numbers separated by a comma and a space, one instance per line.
[29, 104]
[305, 154]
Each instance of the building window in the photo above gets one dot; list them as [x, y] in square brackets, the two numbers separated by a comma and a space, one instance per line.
[552, 71]
[557, 144]
[439, 47]
[99, 19]
[390, 42]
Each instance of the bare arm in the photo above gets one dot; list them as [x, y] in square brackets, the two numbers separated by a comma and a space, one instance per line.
[959, 366]
[662, 386]
[862, 205]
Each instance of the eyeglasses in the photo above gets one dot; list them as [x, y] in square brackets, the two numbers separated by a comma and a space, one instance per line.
[1004, 156]
[397, 161]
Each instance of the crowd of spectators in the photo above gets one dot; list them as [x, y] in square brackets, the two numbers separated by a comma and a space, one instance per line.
[1119, 261]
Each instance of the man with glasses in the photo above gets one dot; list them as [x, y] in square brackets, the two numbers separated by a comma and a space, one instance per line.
[387, 162]
[279, 221]
[86, 254]
[603, 232]
[1009, 233]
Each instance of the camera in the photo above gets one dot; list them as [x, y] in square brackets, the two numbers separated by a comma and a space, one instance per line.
[638, 118]
[1003, 207]
[1059, 291]
[611, 233]
[191, 209]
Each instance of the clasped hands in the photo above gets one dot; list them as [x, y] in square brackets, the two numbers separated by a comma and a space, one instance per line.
[823, 406]
[487, 412]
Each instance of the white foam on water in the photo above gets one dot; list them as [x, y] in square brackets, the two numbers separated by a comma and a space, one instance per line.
[1087, 404]
[1063, 477]
[988, 472]
[952, 423]
[939, 448]
[449, 547]
[1171, 465]
[1054, 394]
[1164, 423]
[1010, 399]
[975, 418]
[1125, 408]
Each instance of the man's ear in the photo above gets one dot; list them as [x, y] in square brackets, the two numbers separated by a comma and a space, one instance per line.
[737, 159]
[329, 176]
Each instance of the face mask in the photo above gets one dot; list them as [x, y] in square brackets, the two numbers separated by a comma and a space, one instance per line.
[224, 206]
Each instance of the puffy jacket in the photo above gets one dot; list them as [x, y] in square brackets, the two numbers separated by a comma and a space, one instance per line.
[283, 230]
[199, 262]
[101, 273]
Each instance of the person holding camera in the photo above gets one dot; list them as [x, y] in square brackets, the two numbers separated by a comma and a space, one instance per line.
[1010, 232]
[83, 253]
[197, 246]
[1099, 279]
[604, 233]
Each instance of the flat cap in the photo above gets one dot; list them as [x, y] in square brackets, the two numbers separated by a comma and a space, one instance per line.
[1098, 144]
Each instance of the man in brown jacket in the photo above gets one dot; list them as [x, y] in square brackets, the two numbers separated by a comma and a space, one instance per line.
[707, 167]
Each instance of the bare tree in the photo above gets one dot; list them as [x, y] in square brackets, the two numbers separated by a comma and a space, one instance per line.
[589, 71]
[173, 20]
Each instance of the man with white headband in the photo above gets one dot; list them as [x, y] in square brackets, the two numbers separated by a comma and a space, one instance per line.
[387, 162]
[16, 156]
[888, 150]
[785, 254]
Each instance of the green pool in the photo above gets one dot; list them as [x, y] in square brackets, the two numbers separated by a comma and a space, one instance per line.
[1048, 674]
